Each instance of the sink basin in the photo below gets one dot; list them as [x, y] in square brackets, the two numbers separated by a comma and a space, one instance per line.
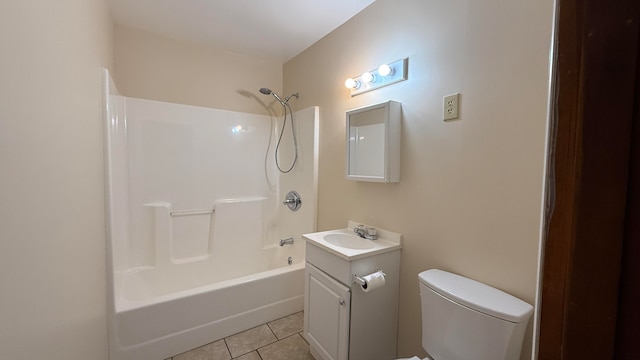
[345, 244]
[348, 241]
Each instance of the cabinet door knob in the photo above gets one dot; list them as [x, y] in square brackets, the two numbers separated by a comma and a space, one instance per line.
[341, 301]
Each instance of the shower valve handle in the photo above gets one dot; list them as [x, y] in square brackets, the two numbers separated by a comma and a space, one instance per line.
[293, 201]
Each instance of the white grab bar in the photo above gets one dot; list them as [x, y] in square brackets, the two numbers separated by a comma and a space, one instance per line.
[191, 212]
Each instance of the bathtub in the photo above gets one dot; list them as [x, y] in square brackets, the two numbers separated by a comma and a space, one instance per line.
[153, 323]
[214, 274]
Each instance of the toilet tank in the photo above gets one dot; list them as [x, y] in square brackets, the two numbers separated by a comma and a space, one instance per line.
[463, 319]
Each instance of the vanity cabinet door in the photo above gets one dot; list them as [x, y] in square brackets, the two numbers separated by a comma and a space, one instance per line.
[327, 308]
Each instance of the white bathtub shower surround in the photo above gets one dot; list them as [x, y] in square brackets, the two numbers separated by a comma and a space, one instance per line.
[195, 218]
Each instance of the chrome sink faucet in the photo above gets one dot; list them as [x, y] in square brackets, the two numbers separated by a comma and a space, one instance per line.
[366, 232]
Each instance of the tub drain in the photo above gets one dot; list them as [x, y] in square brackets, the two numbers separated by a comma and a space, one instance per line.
[289, 260]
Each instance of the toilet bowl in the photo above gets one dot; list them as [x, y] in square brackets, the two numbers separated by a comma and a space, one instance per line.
[481, 322]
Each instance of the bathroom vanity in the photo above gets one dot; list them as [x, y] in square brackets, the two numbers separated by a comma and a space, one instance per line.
[342, 318]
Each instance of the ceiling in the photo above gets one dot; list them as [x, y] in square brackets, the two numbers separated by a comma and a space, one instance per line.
[276, 29]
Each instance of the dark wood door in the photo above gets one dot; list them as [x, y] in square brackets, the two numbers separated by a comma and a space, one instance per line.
[596, 98]
[628, 316]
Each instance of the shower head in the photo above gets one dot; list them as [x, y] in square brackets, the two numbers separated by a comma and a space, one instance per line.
[268, 91]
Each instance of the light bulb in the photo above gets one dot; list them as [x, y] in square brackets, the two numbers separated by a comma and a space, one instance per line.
[351, 83]
[367, 77]
[385, 70]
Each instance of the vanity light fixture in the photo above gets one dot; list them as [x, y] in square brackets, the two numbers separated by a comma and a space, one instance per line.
[385, 74]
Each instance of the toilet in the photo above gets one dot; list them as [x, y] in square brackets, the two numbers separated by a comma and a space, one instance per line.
[463, 319]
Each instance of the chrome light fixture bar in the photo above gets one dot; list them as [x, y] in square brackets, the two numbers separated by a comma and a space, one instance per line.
[385, 74]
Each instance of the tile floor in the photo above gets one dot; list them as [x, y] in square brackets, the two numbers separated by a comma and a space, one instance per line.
[277, 340]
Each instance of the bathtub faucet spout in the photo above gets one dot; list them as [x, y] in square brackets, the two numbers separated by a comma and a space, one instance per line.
[286, 241]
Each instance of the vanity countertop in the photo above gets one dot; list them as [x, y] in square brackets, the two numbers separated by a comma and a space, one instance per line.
[346, 244]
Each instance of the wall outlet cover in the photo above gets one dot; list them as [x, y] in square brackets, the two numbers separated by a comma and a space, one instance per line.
[451, 107]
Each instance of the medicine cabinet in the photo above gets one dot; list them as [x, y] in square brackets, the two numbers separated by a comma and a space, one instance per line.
[373, 143]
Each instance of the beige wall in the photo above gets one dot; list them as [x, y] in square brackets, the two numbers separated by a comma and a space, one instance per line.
[52, 249]
[153, 67]
[470, 193]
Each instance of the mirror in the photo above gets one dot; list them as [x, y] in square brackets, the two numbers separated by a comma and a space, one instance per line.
[373, 143]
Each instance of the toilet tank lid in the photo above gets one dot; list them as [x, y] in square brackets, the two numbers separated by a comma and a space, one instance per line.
[476, 295]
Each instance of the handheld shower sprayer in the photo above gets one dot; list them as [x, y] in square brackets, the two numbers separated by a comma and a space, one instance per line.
[285, 107]
[267, 91]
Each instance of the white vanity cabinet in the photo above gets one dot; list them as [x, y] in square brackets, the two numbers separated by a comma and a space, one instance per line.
[341, 321]
[327, 321]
